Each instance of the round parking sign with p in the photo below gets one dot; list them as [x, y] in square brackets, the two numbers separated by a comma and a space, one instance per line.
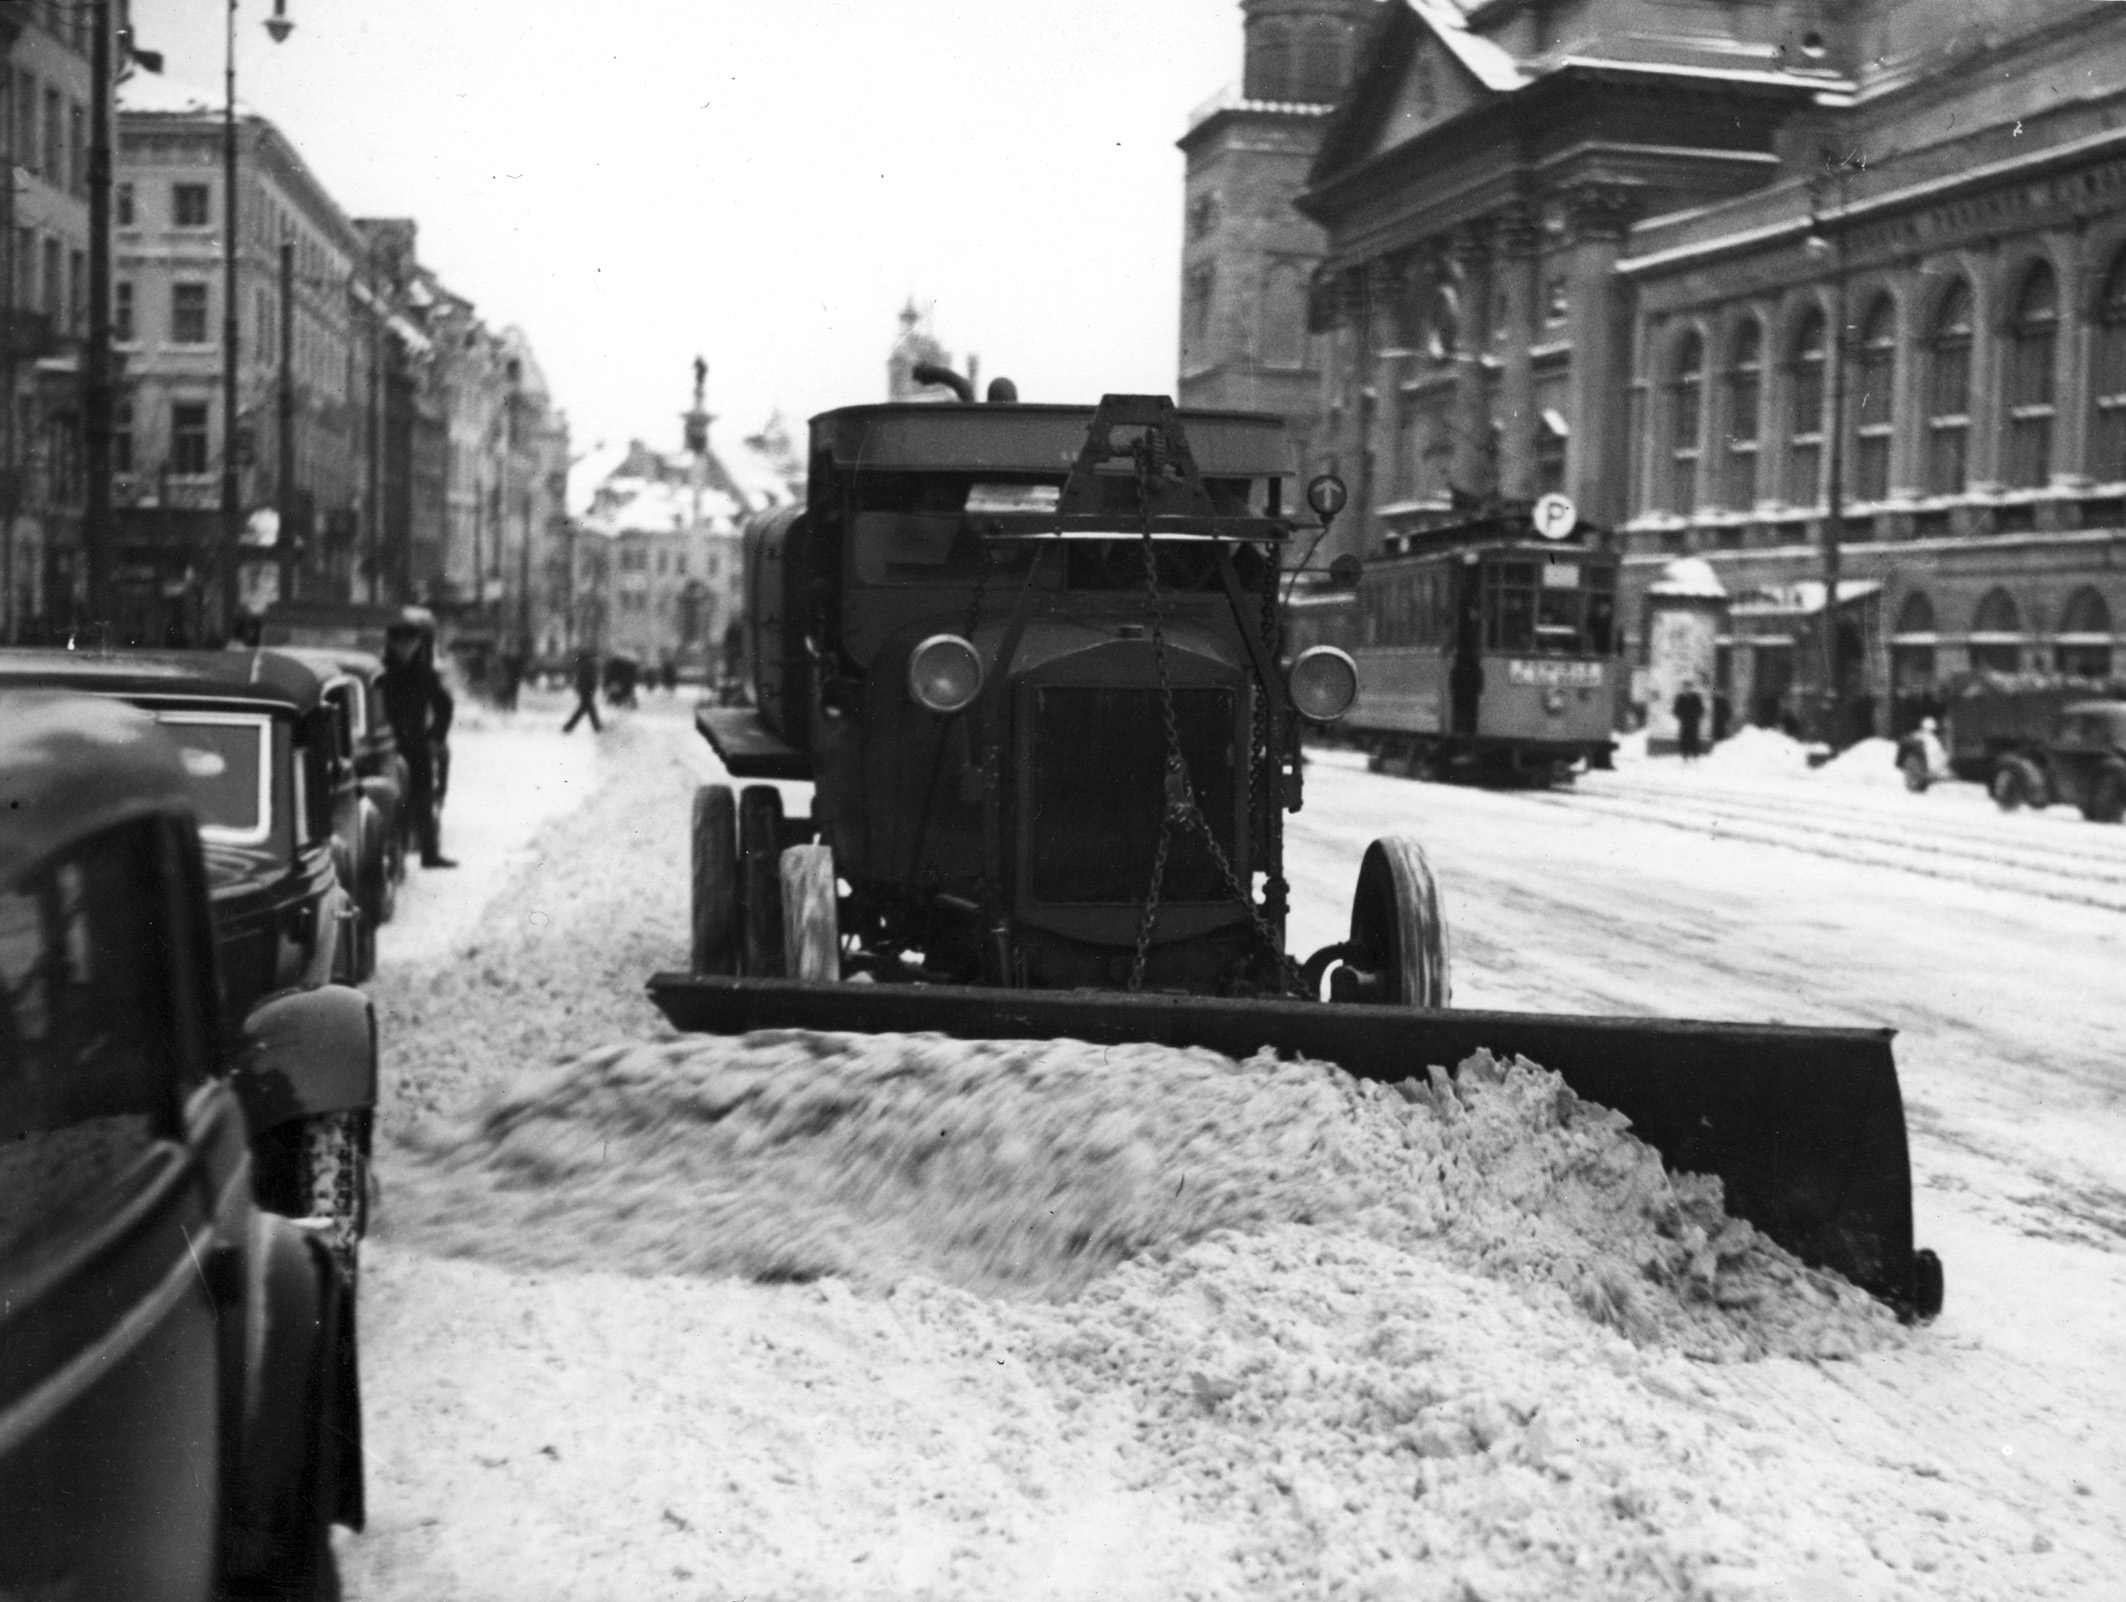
[1555, 516]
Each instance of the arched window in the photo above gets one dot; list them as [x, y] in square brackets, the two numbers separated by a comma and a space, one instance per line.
[1268, 75]
[1283, 334]
[1320, 63]
[1912, 647]
[1804, 413]
[1685, 392]
[1874, 384]
[1745, 394]
[2083, 644]
[2032, 336]
[1997, 633]
[1949, 390]
[2107, 433]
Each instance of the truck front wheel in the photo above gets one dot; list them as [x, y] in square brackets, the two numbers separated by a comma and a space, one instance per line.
[1398, 930]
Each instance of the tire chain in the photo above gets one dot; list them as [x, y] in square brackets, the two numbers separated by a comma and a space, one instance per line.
[1182, 807]
[332, 1184]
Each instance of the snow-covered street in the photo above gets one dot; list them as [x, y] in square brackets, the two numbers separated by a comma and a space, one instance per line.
[1316, 1401]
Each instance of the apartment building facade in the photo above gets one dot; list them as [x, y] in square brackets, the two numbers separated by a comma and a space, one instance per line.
[44, 228]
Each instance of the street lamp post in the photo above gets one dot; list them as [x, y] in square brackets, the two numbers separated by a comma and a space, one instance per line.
[96, 389]
[1841, 169]
[278, 26]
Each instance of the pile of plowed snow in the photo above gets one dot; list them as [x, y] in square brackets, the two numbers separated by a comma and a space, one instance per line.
[1031, 1168]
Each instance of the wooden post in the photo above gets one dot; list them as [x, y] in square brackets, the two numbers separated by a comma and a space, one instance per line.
[811, 929]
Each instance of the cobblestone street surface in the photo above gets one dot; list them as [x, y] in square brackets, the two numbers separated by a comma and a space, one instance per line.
[656, 1316]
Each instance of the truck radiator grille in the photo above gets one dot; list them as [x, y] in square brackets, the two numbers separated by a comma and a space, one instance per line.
[1098, 792]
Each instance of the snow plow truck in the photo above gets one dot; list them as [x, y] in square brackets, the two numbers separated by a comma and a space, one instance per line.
[1030, 658]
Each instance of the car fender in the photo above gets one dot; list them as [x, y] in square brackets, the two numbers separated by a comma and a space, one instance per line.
[289, 1353]
[307, 1052]
[382, 792]
[371, 865]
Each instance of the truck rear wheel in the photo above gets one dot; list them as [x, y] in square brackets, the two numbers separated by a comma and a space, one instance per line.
[2107, 799]
[760, 881]
[715, 900]
[1399, 924]
[2008, 788]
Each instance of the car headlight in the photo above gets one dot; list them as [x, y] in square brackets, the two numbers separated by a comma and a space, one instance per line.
[1323, 682]
[945, 673]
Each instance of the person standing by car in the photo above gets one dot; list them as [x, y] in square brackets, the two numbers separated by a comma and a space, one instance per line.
[586, 692]
[1689, 708]
[419, 709]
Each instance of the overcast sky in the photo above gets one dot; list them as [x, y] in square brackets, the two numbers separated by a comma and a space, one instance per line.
[762, 181]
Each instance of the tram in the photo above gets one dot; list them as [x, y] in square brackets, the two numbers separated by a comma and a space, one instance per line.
[1485, 650]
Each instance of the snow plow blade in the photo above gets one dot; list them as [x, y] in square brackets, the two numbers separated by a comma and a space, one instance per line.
[1804, 1127]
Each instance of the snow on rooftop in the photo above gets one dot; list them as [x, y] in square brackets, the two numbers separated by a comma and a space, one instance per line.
[154, 92]
[1486, 58]
[588, 471]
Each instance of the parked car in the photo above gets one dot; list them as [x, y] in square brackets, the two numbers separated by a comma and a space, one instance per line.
[261, 751]
[371, 817]
[180, 1409]
[2083, 764]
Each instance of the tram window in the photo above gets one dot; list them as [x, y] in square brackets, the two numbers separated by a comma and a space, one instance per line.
[1509, 606]
[1601, 623]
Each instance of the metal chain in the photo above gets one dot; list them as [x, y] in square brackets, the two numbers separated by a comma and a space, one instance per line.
[1181, 805]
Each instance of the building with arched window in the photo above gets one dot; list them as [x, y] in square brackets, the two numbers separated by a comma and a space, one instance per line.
[1746, 281]
[1248, 258]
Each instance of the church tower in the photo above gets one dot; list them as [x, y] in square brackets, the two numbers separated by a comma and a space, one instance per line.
[1247, 256]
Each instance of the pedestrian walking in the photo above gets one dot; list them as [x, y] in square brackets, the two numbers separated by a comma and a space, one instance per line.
[1689, 709]
[419, 710]
[509, 676]
[586, 693]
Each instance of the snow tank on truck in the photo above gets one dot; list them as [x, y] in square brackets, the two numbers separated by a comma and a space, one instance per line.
[1031, 659]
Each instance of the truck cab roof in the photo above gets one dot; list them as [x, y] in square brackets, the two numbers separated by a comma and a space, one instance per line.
[1040, 440]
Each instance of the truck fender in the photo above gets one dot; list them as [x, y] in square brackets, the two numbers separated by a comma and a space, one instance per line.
[291, 1373]
[307, 1052]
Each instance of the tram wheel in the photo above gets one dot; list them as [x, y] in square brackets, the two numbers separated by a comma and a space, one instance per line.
[1398, 930]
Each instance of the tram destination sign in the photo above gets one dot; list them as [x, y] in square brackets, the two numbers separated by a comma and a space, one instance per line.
[1572, 675]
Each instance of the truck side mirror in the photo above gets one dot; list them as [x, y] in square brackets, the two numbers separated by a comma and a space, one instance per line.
[1345, 572]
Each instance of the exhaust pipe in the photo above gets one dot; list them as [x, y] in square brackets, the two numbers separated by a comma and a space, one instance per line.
[932, 373]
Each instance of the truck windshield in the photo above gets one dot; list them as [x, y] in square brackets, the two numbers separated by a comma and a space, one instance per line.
[931, 548]
[228, 770]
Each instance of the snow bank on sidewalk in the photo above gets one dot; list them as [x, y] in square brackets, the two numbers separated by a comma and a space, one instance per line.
[1032, 1168]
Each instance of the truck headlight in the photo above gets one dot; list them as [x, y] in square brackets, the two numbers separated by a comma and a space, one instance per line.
[945, 673]
[1323, 682]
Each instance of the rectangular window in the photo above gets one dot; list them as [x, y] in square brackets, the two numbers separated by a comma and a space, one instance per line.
[188, 314]
[122, 437]
[25, 287]
[122, 205]
[54, 285]
[77, 150]
[54, 151]
[188, 437]
[188, 206]
[77, 292]
[26, 121]
[122, 310]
